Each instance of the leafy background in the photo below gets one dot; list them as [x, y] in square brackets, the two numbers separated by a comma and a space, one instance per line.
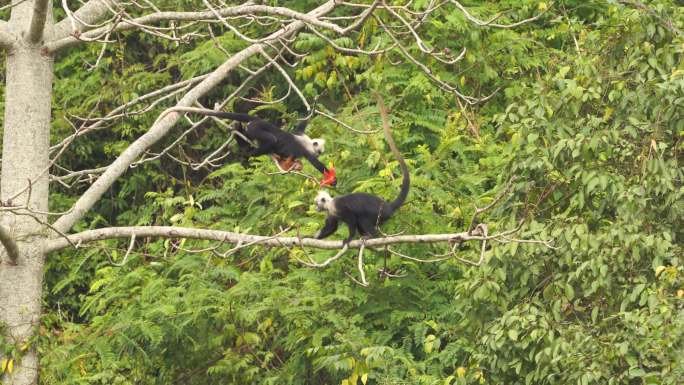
[588, 117]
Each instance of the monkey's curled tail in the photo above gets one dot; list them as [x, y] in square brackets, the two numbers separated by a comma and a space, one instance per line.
[405, 183]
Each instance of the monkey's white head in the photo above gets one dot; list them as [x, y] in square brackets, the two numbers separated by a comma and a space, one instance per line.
[318, 145]
[323, 201]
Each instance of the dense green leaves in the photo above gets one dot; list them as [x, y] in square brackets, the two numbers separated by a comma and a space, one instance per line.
[589, 117]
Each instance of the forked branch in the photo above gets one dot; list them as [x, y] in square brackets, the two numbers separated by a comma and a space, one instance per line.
[37, 26]
[157, 17]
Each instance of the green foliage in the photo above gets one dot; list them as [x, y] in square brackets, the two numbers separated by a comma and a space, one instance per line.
[588, 117]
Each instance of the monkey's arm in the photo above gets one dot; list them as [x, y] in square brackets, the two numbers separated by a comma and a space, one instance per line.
[316, 163]
[329, 228]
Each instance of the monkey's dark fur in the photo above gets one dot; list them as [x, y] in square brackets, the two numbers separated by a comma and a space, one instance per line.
[273, 140]
[363, 212]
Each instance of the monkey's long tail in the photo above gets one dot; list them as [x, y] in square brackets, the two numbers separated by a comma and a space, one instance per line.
[219, 114]
[229, 115]
[406, 182]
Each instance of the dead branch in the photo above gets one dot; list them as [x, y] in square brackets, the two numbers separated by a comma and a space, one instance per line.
[90, 173]
[234, 238]
[157, 17]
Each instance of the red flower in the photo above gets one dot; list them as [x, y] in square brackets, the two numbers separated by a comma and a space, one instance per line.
[329, 178]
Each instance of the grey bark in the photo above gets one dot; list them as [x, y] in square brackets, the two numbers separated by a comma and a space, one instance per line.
[38, 19]
[244, 239]
[9, 244]
[25, 155]
[7, 39]
[153, 18]
[91, 12]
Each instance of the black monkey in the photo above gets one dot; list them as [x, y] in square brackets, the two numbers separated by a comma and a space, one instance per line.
[363, 212]
[286, 146]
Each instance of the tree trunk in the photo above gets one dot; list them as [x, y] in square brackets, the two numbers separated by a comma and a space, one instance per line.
[26, 137]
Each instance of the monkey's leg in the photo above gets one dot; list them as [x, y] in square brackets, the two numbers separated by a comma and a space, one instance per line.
[352, 224]
[255, 131]
[367, 227]
[261, 150]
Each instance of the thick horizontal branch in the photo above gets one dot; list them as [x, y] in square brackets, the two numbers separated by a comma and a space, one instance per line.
[9, 244]
[162, 126]
[158, 17]
[237, 238]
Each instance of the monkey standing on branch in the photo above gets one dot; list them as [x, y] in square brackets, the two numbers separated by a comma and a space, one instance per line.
[363, 212]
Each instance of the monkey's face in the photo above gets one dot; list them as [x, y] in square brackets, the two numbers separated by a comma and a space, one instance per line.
[318, 145]
[322, 201]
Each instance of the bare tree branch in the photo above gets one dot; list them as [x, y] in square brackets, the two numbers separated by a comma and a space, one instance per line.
[122, 110]
[78, 174]
[7, 38]
[194, 16]
[163, 125]
[238, 238]
[494, 202]
[8, 241]
[91, 12]
[37, 26]
[490, 23]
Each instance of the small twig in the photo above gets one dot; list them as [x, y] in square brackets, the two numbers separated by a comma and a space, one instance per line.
[341, 123]
[286, 77]
[327, 261]
[125, 257]
[242, 246]
[496, 200]
[490, 23]
[362, 274]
